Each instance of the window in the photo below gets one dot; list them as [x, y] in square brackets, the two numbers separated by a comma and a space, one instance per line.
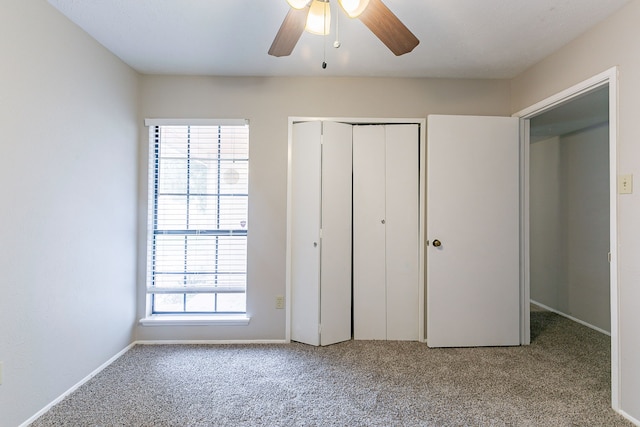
[197, 225]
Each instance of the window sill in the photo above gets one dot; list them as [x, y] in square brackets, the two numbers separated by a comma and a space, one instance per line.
[196, 320]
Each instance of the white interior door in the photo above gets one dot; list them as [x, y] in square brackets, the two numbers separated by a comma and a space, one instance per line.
[335, 270]
[305, 232]
[369, 253]
[473, 214]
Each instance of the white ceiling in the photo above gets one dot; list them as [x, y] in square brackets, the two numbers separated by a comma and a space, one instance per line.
[458, 38]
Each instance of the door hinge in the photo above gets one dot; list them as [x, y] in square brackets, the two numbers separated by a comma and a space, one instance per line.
[609, 256]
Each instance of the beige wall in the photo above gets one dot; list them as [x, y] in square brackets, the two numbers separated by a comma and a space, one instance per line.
[569, 224]
[547, 225]
[68, 158]
[612, 43]
[267, 103]
[586, 156]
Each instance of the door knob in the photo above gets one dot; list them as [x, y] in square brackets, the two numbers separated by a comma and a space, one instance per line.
[437, 243]
[383, 221]
[315, 244]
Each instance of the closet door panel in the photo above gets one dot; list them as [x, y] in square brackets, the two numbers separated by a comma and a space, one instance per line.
[369, 288]
[305, 232]
[335, 257]
[402, 237]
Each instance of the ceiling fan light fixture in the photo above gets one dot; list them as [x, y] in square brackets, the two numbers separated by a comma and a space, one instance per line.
[298, 4]
[353, 8]
[319, 18]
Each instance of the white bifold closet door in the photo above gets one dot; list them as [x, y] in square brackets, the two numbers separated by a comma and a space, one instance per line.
[385, 232]
[321, 232]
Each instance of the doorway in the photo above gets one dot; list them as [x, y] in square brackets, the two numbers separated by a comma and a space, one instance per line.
[605, 86]
[569, 210]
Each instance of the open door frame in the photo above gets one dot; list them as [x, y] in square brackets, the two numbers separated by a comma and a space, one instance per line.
[606, 78]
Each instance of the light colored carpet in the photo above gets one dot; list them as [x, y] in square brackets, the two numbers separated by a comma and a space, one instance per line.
[562, 379]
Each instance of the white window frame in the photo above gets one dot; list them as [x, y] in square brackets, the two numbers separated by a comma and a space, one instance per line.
[186, 318]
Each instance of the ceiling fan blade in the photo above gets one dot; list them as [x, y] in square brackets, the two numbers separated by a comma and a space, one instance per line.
[388, 28]
[289, 32]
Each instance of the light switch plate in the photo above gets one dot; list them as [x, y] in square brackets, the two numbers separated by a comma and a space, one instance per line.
[625, 184]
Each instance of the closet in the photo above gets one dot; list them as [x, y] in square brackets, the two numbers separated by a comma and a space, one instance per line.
[354, 232]
[385, 232]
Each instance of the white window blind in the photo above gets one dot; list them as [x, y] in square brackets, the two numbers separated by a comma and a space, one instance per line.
[198, 206]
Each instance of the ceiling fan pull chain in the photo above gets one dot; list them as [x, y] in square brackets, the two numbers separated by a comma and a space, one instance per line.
[337, 43]
[324, 39]
[324, 53]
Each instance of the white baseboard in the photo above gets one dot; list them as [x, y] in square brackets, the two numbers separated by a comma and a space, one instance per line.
[76, 386]
[209, 342]
[629, 417]
[582, 322]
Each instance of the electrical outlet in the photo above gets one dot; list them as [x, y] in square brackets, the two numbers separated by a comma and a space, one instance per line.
[280, 302]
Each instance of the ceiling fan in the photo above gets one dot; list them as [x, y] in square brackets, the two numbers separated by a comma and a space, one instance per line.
[373, 13]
